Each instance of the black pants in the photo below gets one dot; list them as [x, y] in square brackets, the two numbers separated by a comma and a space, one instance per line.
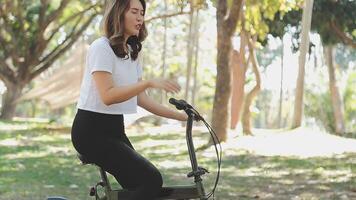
[102, 139]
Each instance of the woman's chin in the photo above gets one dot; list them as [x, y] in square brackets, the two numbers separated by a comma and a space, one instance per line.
[136, 33]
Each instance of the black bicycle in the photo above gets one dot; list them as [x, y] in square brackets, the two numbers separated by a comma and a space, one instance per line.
[193, 191]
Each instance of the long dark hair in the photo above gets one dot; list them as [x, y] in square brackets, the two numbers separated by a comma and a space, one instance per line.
[113, 26]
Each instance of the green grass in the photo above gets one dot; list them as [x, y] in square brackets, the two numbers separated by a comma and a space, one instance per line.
[37, 160]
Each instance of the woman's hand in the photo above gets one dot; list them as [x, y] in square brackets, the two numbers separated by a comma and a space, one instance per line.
[164, 84]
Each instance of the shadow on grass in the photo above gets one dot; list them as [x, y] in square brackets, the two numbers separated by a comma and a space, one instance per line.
[40, 162]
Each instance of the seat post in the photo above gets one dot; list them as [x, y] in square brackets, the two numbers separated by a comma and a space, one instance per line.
[106, 182]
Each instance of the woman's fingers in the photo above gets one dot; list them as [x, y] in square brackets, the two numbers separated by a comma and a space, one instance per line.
[173, 86]
[169, 86]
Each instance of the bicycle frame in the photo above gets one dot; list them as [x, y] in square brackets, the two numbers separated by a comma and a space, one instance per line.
[195, 191]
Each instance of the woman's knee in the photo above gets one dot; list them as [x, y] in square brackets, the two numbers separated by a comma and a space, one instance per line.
[155, 179]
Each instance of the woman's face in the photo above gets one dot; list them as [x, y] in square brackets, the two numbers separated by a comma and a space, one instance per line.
[134, 18]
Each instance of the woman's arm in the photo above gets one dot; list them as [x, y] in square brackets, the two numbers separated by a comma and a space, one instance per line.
[150, 105]
[111, 94]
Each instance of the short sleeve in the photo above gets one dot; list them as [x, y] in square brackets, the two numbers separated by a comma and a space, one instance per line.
[100, 57]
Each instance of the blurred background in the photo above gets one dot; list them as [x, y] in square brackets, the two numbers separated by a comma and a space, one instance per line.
[267, 72]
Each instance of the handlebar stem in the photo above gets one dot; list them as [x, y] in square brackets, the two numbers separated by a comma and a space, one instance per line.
[191, 150]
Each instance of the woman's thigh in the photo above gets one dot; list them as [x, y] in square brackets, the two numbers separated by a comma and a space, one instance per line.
[128, 167]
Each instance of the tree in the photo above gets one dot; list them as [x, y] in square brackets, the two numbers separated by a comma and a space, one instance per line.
[335, 22]
[196, 57]
[254, 25]
[336, 101]
[227, 18]
[246, 116]
[239, 68]
[298, 103]
[33, 35]
[190, 48]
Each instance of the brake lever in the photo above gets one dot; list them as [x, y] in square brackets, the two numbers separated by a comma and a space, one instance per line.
[196, 116]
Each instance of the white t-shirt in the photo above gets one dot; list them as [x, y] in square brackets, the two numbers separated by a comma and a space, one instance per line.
[101, 57]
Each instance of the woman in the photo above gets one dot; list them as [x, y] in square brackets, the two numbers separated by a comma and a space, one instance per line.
[112, 86]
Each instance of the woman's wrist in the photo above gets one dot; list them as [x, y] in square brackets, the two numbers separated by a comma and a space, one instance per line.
[146, 83]
[182, 116]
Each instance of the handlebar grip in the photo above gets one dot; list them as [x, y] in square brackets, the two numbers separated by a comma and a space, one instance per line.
[180, 104]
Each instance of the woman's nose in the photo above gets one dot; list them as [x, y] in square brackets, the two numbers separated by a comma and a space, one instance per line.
[139, 18]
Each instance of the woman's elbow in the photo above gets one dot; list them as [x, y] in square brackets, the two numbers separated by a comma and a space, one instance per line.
[106, 97]
[106, 100]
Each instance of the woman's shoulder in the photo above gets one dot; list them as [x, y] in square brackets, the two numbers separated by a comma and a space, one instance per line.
[101, 42]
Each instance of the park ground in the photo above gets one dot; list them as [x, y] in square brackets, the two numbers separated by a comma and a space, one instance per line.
[38, 160]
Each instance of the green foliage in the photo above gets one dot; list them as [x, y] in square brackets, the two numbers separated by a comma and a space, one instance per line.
[341, 12]
[350, 103]
[259, 14]
[263, 106]
[318, 106]
[24, 25]
[345, 57]
[266, 55]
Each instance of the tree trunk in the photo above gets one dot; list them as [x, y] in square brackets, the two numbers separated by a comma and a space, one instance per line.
[226, 26]
[238, 89]
[281, 89]
[239, 67]
[222, 92]
[31, 53]
[304, 46]
[13, 91]
[196, 57]
[246, 114]
[190, 46]
[337, 104]
[163, 93]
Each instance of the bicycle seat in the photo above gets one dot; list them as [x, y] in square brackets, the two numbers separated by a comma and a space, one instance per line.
[84, 160]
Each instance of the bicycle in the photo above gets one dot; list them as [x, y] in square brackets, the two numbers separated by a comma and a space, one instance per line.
[195, 191]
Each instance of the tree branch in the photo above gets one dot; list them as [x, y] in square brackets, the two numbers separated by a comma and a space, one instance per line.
[43, 23]
[41, 28]
[340, 34]
[72, 17]
[54, 51]
[54, 15]
[20, 18]
[234, 15]
[4, 45]
[222, 7]
[6, 26]
[55, 31]
[6, 73]
[166, 16]
[42, 42]
[42, 13]
[50, 60]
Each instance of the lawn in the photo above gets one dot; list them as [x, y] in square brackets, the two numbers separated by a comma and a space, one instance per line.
[37, 160]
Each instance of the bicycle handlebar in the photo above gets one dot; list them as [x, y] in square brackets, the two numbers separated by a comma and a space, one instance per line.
[183, 105]
[194, 114]
[180, 104]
